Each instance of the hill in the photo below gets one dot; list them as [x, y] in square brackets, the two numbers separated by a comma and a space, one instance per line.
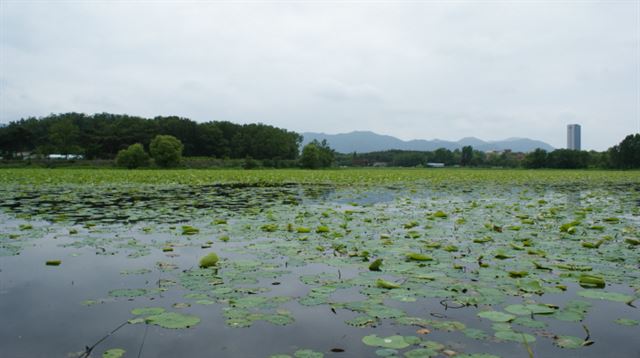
[366, 141]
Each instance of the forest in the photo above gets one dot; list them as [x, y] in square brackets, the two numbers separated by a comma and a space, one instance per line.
[625, 155]
[101, 136]
[225, 144]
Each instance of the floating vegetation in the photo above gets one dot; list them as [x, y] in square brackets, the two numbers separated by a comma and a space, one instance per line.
[209, 260]
[382, 259]
[113, 353]
[393, 342]
[496, 316]
[627, 322]
[189, 230]
[607, 295]
[419, 257]
[173, 320]
[128, 292]
[375, 265]
[386, 284]
[147, 311]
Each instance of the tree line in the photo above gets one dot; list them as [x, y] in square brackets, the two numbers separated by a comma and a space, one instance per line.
[625, 155]
[103, 135]
[130, 138]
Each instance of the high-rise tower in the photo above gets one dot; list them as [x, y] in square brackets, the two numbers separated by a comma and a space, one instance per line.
[573, 136]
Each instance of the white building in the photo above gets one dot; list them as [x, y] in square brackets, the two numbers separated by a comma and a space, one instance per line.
[65, 156]
[573, 136]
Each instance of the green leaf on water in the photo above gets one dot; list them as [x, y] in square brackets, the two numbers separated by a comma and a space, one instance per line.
[421, 353]
[529, 309]
[147, 311]
[189, 230]
[528, 322]
[418, 257]
[475, 333]
[362, 321]
[518, 274]
[209, 260]
[627, 322]
[394, 342]
[440, 214]
[508, 335]
[386, 352]
[567, 227]
[591, 281]
[322, 229]
[568, 342]
[386, 284]
[606, 295]
[375, 265]
[531, 286]
[128, 292]
[173, 320]
[113, 353]
[496, 316]
[307, 353]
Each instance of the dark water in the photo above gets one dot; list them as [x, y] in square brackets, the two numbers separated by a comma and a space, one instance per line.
[43, 316]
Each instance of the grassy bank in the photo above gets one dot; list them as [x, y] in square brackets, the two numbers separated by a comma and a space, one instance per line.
[333, 176]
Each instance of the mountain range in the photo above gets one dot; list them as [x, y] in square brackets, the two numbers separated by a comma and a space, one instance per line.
[366, 141]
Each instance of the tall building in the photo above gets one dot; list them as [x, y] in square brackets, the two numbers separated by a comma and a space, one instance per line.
[573, 136]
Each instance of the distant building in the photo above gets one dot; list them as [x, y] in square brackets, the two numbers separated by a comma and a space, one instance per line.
[65, 156]
[573, 136]
[435, 165]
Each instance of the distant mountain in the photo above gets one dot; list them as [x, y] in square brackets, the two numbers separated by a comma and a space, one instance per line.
[365, 141]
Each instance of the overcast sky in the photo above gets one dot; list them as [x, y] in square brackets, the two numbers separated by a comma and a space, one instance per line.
[415, 70]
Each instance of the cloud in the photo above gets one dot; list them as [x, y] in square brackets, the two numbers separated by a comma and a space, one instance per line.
[411, 69]
[334, 90]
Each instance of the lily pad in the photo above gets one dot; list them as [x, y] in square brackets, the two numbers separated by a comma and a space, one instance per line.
[173, 320]
[627, 322]
[496, 316]
[529, 309]
[307, 353]
[508, 335]
[147, 311]
[209, 260]
[606, 295]
[393, 342]
[113, 353]
[128, 292]
[568, 342]
[421, 353]
[386, 284]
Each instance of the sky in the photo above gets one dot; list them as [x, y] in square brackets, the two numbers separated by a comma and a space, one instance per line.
[412, 69]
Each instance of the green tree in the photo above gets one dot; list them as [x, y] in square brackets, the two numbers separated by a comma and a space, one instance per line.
[166, 150]
[317, 155]
[626, 155]
[536, 159]
[467, 155]
[310, 157]
[64, 135]
[249, 163]
[567, 159]
[132, 157]
[443, 155]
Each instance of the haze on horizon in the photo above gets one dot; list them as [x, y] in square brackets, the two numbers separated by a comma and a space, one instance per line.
[414, 70]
